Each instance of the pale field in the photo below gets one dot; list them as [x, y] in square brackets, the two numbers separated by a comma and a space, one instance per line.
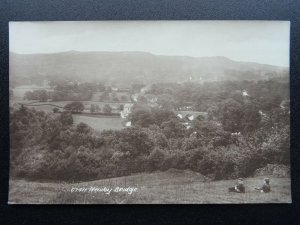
[96, 95]
[97, 122]
[173, 186]
[100, 123]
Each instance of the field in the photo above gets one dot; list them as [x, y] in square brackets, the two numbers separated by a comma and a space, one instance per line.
[96, 96]
[100, 123]
[172, 186]
[97, 122]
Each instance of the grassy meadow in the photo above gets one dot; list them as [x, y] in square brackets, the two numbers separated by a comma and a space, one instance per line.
[97, 122]
[172, 186]
[100, 123]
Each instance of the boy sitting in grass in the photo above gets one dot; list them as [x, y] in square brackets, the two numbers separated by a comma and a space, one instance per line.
[266, 186]
[239, 188]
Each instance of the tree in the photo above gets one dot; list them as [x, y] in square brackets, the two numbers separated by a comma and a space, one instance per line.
[143, 118]
[40, 95]
[75, 107]
[211, 134]
[136, 88]
[251, 118]
[28, 95]
[66, 118]
[104, 96]
[212, 112]
[83, 128]
[173, 128]
[97, 108]
[162, 115]
[55, 110]
[274, 148]
[107, 108]
[156, 159]
[135, 142]
[166, 101]
[230, 114]
[43, 95]
[92, 109]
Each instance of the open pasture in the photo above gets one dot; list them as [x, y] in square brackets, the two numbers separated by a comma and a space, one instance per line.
[173, 186]
[100, 123]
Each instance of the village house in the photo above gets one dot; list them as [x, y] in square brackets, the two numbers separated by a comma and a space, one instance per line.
[244, 93]
[188, 117]
[134, 97]
[126, 110]
[191, 115]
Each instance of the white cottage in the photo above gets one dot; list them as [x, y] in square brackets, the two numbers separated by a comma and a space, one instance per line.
[126, 110]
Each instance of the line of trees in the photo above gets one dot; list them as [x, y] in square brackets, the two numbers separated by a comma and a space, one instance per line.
[65, 91]
[78, 107]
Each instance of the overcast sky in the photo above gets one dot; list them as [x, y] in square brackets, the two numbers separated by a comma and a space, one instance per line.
[256, 41]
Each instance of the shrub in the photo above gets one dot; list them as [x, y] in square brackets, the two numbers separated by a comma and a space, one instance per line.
[156, 159]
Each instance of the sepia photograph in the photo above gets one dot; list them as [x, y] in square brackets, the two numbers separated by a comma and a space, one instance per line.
[149, 112]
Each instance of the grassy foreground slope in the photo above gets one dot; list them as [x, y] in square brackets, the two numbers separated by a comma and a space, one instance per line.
[173, 186]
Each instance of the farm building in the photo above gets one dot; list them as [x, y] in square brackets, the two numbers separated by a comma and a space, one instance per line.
[188, 116]
[126, 110]
[191, 115]
[244, 93]
[134, 97]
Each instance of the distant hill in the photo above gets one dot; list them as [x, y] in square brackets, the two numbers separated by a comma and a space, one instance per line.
[130, 67]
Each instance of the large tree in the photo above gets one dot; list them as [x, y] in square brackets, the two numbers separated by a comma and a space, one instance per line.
[230, 114]
[74, 107]
[66, 118]
[107, 108]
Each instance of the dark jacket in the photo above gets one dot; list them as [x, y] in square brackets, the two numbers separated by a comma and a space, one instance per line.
[266, 188]
[240, 188]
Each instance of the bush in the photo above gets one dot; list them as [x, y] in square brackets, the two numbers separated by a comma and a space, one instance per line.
[75, 107]
[156, 159]
[66, 118]
[276, 170]
[55, 110]
[107, 108]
